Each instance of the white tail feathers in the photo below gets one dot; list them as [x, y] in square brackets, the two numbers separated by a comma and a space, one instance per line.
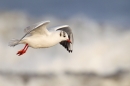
[14, 42]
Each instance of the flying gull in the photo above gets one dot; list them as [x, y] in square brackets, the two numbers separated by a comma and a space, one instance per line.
[37, 36]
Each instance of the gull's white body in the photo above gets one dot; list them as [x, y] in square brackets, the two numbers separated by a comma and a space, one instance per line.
[42, 41]
[40, 37]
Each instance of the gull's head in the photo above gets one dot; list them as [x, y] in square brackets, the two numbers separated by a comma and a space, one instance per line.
[64, 36]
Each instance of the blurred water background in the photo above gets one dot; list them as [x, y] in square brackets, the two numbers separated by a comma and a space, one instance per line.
[101, 55]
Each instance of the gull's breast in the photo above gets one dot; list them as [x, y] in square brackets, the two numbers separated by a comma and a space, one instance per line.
[41, 41]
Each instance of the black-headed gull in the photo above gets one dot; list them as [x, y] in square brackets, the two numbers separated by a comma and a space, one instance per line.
[37, 36]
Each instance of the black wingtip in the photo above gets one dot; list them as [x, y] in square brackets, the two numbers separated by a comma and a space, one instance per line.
[70, 51]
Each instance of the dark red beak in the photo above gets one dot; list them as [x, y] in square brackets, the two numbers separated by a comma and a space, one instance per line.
[69, 41]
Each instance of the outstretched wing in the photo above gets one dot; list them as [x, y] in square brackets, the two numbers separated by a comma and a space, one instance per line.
[38, 28]
[66, 44]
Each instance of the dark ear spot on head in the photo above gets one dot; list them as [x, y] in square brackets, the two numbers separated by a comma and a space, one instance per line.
[60, 33]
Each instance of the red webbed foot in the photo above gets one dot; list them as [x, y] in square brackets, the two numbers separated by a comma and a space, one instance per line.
[21, 52]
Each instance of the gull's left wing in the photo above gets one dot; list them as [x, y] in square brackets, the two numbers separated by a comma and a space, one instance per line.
[67, 29]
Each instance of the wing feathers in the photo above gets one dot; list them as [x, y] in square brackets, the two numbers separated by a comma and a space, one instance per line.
[38, 28]
[65, 44]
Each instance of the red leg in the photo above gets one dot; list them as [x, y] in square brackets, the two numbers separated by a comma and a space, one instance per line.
[23, 50]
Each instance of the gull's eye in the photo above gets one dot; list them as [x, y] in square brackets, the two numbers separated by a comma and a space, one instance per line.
[64, 34]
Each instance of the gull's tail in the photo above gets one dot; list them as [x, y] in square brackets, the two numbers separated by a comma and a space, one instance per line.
[14, 42]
